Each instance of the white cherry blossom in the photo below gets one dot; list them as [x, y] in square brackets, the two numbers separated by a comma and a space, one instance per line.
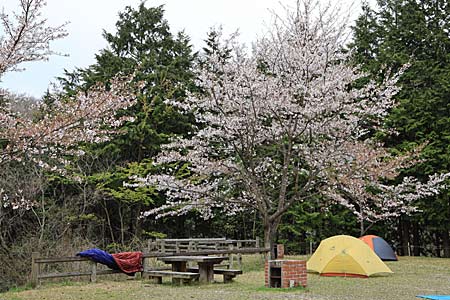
[273, 122]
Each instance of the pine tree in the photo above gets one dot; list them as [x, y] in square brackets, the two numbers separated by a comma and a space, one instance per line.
[143, 47]
[415, 32]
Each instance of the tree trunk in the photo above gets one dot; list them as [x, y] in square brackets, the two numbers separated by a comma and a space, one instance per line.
[137, 220]
[416, 239]
[270, 233]
[42, 221]
[437, 244]
[445, 233]
[108, 219]
[446, 243]
[404, 236]
[122, 224]
[361, 227]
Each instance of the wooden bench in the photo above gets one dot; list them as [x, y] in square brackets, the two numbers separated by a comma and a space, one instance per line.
[228, 274]
[177, 277]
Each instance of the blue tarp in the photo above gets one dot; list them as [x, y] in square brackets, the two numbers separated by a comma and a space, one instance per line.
[435, 297]
[100, 256]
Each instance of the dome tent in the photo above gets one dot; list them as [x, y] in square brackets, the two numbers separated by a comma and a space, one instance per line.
[380, 247]
[344, 255]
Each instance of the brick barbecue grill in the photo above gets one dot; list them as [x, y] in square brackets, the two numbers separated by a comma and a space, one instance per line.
[285, 273]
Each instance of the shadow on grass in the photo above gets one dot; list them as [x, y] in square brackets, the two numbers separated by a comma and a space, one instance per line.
[282, 290]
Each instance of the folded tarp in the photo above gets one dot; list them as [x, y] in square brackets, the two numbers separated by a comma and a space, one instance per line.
[127, 262]
[100, 256]
[435, 297]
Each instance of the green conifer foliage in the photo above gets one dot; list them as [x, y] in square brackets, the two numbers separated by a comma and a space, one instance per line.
[142, 47]
[417, 32]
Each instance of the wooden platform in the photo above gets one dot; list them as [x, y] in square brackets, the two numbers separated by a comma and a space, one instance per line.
[177, 277]
[228, 274]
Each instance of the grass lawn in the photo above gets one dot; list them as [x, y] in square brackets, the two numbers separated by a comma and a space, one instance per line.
[412, 276]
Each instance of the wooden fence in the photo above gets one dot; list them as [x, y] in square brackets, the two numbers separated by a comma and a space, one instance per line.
[174, 246]
[38, 273]
[189, 245]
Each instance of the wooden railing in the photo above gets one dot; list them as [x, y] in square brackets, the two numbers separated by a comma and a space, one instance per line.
[37, 272]
[199, 244]
[171, 246]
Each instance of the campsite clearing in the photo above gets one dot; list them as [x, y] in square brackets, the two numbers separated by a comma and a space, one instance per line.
[412, 276]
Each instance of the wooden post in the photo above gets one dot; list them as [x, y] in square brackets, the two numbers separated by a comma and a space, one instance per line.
[163, 246]
[239, 259]
[144, 268]
[177, 247]
[196, 245]
[93, 271]
[206, 272]
[231, 257]
[34, 269]
[257, 245]
[190, 249]
[153, 245]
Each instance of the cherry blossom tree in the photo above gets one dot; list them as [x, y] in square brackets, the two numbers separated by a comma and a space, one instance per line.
[35, 142]
[361, 183]
[87, 117]
[273, 123]
[50, 138]
[26, 36]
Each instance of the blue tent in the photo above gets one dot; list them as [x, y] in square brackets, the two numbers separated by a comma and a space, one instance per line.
[380, 247]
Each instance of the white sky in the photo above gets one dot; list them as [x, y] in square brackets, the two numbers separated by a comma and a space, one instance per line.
[88, 18]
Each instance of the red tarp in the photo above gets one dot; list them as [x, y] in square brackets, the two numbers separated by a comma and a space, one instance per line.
[129, 262]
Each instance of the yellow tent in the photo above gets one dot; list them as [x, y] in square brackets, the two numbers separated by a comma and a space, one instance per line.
[344, 255]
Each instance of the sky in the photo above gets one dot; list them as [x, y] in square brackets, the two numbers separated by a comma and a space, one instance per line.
[88, 18]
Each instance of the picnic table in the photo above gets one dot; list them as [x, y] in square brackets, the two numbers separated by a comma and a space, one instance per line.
[205, 265]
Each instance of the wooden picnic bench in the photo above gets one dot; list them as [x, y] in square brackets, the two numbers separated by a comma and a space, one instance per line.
[228, 274]
[205, 265]
[177, 277]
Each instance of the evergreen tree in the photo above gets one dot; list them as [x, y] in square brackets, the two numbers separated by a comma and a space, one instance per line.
[398, 32]
[143, 47]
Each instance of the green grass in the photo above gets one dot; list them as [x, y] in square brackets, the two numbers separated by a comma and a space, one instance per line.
[412, 276]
